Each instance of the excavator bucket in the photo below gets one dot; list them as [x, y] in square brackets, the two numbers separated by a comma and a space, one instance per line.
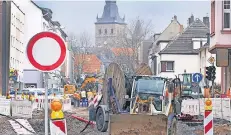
[133, 124]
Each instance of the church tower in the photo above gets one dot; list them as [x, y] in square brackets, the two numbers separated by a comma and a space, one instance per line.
[110, 26]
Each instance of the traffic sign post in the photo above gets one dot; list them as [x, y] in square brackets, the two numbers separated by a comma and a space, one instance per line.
[197, 77]
[46, 51]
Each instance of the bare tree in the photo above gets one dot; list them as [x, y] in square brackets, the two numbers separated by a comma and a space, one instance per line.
[135, 33]
[80, 45]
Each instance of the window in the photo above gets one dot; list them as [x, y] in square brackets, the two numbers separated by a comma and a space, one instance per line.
[105, 31]
[112, 31]
[226, 20]
[167, 66]
[100, 32]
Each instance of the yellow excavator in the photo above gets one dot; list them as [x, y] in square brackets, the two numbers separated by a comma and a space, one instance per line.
[141, 104]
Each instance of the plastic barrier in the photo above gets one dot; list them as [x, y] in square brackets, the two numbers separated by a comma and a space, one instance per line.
[39, 101]
[22, 108]
[5, 106]
[221, 107]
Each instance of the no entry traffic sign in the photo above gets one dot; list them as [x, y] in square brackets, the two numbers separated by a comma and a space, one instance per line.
[46, 51]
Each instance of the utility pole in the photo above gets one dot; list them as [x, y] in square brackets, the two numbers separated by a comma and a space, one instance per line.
[6, 23]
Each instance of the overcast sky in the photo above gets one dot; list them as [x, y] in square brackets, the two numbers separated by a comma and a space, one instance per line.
[79, 16]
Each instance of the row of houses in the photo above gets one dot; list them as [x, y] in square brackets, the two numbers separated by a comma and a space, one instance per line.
[177, 50]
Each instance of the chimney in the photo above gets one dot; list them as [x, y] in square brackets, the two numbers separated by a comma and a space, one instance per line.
[206, 21]
[189, 21]
[175, 17]
[192, 18]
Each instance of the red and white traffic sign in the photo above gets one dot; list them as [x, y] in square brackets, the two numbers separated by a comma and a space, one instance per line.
[58, 127]
[46, 51]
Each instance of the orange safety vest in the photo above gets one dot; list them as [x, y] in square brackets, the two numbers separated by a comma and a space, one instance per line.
[76, 95]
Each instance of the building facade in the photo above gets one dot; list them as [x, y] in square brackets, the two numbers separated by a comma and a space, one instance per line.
[174, 58]
[160, 42]
[220, 44]
[38, 19]
[110, 27]
[17, 46]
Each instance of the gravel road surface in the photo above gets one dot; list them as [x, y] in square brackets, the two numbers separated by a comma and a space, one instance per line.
[74, 126]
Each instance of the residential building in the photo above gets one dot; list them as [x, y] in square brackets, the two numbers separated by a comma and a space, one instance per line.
[17, 45]
[220, 43]
[110, 26]
[181, 54]
[41, 22]
[87, 64]
[33, 23]
[160, 42]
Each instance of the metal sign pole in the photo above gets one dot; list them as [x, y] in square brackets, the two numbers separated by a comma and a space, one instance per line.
[46, 102]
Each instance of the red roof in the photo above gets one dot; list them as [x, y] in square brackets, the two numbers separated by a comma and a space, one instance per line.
[90, 63]
[122, 51]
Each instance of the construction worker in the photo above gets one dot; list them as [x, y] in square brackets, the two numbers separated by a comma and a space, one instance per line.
[84, 98]
[77, 98]
[90, 96]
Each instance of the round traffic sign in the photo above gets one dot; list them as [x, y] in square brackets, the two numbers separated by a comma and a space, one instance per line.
[46, 51]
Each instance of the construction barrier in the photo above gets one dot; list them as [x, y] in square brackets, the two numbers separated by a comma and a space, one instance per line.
[58, 127]
[39, 101]
[5, 106]
[208, 117]
[22, 108]
[221, 107]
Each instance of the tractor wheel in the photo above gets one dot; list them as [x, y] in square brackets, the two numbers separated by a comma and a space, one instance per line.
[101, 124]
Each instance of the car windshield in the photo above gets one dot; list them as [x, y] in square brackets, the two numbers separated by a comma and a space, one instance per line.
[154, 86]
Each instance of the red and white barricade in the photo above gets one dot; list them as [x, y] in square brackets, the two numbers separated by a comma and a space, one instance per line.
[208, 118]
[58, 127]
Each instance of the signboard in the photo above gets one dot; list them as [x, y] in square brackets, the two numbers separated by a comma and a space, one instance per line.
[222, 56]
[22, 109]
[211, 60]
[197, 77]
[46, 51]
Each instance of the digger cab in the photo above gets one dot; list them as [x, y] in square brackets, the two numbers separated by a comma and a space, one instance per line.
[144, 90]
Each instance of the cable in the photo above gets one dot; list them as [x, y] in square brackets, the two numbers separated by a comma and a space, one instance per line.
[85, 126]
[18, 123]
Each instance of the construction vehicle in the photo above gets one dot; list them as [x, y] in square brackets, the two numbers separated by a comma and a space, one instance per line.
[143, 104]
[190, 90]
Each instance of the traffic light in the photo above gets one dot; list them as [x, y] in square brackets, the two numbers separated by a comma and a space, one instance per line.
[213, 73]
[208, 73]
